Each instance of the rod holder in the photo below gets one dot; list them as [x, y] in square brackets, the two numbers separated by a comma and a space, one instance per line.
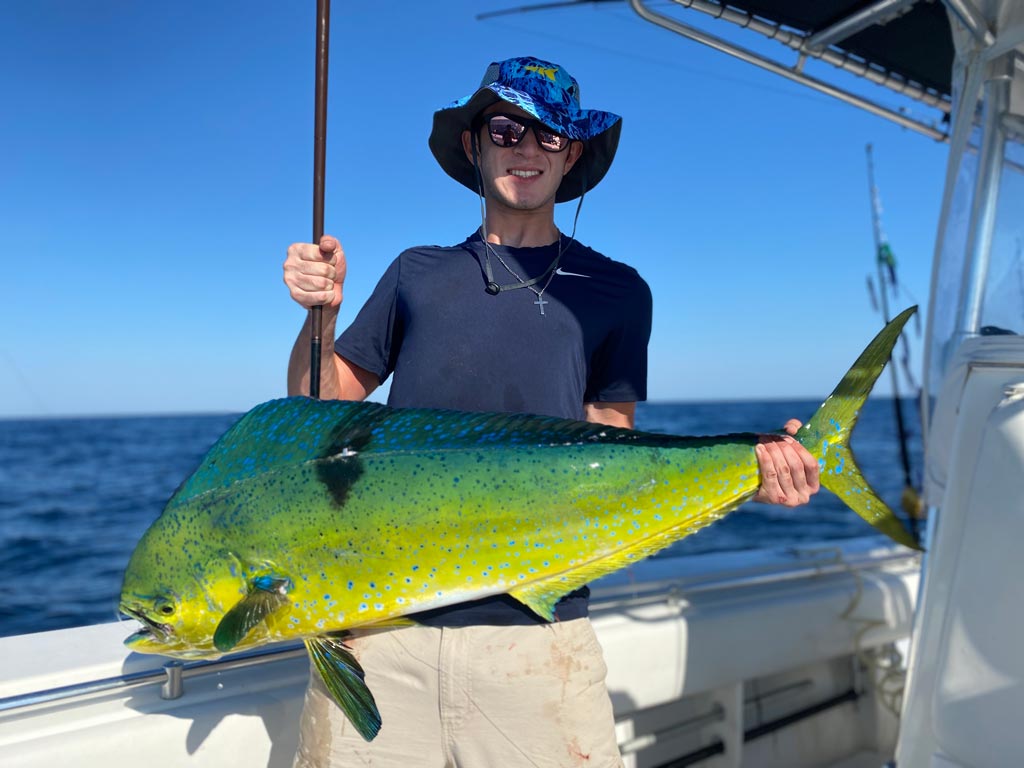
[174, 685]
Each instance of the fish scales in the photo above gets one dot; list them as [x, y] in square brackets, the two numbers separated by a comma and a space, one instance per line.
[310, 517]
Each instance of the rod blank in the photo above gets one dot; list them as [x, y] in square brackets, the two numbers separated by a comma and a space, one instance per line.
[323, 28]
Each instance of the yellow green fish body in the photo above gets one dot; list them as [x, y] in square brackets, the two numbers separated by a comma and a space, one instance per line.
[309, 517]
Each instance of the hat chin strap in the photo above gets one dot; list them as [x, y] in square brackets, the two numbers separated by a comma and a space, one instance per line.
[479, 186]
[492, 287]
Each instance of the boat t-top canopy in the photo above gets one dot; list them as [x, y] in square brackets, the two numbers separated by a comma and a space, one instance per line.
[903, 45]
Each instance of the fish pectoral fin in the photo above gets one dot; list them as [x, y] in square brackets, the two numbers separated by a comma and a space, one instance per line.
[345, 681]
[267, 594]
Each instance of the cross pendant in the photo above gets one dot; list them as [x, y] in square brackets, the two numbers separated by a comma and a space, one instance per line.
[540, 303]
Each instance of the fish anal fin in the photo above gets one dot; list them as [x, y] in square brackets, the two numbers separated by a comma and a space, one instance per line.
[267, 595]
[540, 596]
[345, 681]
[396, 622]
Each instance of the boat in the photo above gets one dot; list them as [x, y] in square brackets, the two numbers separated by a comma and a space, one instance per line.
[844, 654]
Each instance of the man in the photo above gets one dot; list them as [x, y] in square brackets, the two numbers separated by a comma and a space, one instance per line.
[517, 318]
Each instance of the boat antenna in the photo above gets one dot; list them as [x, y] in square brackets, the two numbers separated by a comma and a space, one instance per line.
[886, 265]
[323, 27]
[537, 7]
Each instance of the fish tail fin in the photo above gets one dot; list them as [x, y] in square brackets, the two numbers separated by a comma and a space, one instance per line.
[827, 435]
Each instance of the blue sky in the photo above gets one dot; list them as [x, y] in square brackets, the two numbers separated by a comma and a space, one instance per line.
[158, 156]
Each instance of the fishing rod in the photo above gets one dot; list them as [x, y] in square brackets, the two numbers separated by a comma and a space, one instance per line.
[886, 262]
[323, 26]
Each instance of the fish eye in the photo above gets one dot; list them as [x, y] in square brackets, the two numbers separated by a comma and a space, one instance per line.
[166, 609]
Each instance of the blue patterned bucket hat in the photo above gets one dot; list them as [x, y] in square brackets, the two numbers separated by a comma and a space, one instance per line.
[551, 95]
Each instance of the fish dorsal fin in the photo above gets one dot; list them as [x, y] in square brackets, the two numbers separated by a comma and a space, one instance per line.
[345, 681]
[297, 430]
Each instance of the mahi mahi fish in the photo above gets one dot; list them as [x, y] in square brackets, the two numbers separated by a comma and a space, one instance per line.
[310, 518]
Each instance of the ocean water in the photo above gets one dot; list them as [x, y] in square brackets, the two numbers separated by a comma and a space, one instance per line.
[76, 495]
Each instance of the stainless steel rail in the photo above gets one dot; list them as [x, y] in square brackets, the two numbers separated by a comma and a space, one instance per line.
[972, 19]
[802, 44]
[982, 222]
[626, 595]
[169, 676]
[880, 12]
[795, 73]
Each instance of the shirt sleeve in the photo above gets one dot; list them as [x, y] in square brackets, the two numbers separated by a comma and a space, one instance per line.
[618, 372]
[374, 338]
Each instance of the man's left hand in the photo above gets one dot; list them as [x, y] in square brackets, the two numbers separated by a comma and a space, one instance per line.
[789, 474]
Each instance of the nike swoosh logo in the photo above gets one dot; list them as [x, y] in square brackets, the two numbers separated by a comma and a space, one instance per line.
[561, 271]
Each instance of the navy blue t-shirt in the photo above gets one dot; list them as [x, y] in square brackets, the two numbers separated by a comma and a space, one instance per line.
[447, 343]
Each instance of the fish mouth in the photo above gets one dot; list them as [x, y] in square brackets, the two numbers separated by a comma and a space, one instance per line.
[152, 631]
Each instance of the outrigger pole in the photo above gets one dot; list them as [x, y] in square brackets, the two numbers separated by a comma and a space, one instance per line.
[323, 26]
[886, 265]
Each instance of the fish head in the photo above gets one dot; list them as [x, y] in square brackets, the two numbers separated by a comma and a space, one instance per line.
[178, 622]
[179, 590]
[163, 630]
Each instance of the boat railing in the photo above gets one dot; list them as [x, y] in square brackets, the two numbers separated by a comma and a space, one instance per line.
[625, 595]
[170, 677]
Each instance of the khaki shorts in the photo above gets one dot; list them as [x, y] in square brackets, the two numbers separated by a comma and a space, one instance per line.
[471, 697]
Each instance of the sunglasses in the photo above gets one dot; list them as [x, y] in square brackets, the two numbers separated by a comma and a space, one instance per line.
[508, 131]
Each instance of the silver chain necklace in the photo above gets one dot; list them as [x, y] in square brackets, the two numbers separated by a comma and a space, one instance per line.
[528, 283]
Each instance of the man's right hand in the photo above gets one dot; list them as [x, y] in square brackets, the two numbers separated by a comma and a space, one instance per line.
[315, 275]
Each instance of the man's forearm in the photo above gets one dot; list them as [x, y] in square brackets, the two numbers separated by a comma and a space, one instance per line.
[611, 414]
[298, 362]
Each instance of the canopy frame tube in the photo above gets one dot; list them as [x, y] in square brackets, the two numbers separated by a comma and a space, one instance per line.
[880, 12]
[982, 223]
[801, 44]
